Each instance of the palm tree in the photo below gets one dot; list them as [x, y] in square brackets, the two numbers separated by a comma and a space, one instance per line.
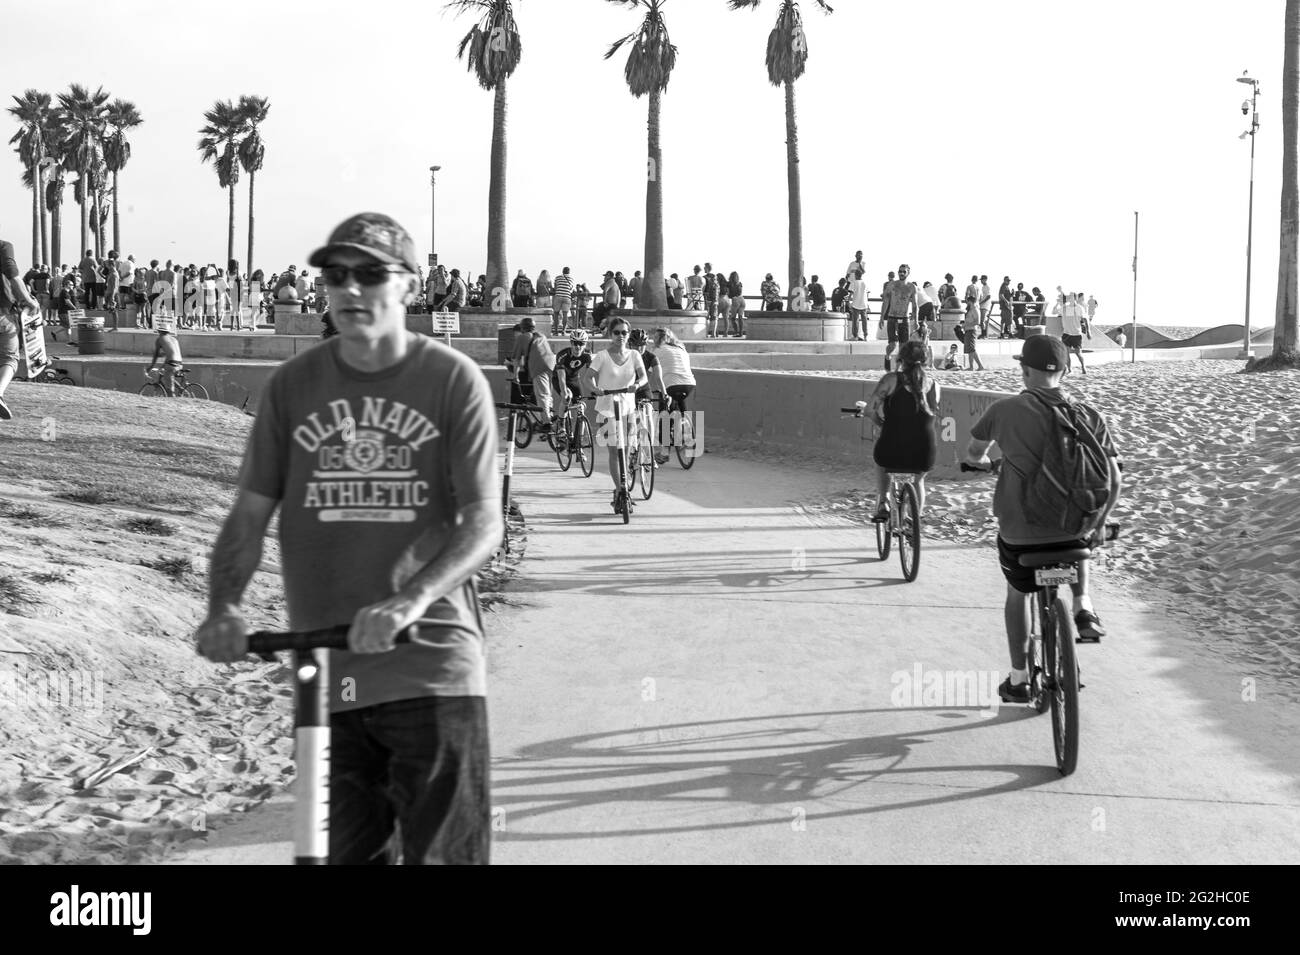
[252, 151]
[220, 145]
[57, 147]
[491, 51]
[787, 56]
[99, 208]
[120, 117]
[649, 65]
[1286, 353]
[33, 111]
[84, 121]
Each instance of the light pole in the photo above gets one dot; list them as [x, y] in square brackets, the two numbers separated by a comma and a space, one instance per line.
[433, 208]
[1248, 106]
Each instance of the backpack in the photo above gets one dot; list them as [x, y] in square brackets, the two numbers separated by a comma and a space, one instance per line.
[1071, 486]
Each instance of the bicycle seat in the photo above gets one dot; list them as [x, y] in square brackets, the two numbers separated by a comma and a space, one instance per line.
[1047, 558]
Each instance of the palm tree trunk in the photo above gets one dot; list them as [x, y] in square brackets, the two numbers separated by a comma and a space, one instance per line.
[1285, 321]
[795, 199]
[36, 217]
[117, 226]
[56, 237]
[45, 231]
[230, 230]
[497, 293]
[85, 215]
[248, 264]
[652, 293]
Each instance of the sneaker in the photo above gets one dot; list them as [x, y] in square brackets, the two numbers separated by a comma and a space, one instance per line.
[5, 413]
[1013, 694]
[881, 516]
[661, 458]
[1088, 624]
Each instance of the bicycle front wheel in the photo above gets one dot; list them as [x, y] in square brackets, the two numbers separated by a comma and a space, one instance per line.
[196, 391]
[686, 445]
[909, 534]
[885, 536]
[152, 390]
[1063, 671]
[584, 446]
[523, 429]
[563, 442]
[647, 466]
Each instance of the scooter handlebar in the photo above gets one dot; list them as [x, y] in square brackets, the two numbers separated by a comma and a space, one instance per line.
[332, 638]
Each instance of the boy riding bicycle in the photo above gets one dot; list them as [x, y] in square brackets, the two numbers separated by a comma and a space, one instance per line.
[1023, 429]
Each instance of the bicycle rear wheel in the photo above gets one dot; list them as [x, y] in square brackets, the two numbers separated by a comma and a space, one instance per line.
[1063, 681]
[152, 390]
[686, 445]
[523, 429]
[1037, 691]
[563, 442]
[909, 534]
[196, 391]
[584, 446]
[647, 465]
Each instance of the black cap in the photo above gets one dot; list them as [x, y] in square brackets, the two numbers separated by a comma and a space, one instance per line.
[376, 235]
[1044, 352]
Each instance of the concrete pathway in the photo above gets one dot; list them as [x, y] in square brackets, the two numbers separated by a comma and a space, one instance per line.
[729, 679]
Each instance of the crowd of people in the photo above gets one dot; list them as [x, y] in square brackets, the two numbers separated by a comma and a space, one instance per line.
[199, 297]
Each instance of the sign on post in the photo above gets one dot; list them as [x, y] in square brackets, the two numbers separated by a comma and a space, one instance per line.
[164, 323]
[446, 324]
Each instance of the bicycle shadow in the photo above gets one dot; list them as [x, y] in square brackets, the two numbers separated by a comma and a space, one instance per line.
[751, 766]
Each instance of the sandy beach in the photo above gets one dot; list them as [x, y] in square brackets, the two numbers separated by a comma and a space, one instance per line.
[1210, 507]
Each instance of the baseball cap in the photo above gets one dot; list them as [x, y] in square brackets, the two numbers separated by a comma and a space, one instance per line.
[1044, 353]
[373, 233]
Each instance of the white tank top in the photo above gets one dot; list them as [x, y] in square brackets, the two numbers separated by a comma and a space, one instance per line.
[610, 375]
[674, 365]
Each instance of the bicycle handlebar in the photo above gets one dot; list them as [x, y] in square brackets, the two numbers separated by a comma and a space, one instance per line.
[333, 638]
[993, 468]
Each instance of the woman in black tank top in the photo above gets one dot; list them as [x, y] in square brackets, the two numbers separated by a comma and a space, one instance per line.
[906, 408]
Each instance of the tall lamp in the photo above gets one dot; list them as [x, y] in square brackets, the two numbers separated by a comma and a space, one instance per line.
[1248, 108]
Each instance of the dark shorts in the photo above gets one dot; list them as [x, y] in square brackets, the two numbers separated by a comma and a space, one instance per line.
[968, 342]
[1072, 341]
[926, 314]
[1020, 578]
[418, 767]
[897, 330]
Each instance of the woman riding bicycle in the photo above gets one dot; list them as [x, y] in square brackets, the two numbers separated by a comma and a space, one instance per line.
[614, 375]
[905, 406]
[675, 368]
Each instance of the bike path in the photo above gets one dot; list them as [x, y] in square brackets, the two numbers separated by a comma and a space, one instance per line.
[729, 679]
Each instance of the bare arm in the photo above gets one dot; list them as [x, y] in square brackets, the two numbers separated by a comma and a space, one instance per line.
[223, 636]
[977, 452]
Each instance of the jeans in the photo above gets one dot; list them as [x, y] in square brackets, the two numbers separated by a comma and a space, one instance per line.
[418, 767]
[858, 319]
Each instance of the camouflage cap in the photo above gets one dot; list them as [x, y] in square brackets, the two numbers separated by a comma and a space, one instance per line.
[376, 235]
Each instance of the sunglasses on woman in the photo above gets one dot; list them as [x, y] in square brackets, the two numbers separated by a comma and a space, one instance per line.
[366, 275]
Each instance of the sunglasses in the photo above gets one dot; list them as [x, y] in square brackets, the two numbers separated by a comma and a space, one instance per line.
[366, 275]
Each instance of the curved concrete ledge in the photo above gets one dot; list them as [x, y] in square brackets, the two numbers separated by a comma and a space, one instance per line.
[795, 326]
[686, 325]
[484, 322]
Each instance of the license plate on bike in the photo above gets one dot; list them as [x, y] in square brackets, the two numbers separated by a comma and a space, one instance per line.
[1056, 576]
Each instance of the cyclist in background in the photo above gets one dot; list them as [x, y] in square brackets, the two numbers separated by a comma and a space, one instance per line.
[675, 371]
[654, 381]
[167, 347]
[1021, 427]
[620, 370]
[905, 406]
[569, 365]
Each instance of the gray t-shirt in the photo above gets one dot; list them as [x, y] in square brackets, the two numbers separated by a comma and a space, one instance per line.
[1020, 426]
[370, 469]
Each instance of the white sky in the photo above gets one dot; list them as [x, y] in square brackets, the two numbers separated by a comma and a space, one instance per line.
[1010, 137]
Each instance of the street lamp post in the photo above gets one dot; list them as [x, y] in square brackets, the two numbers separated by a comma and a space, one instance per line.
[1248, 106]
[433, 208]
